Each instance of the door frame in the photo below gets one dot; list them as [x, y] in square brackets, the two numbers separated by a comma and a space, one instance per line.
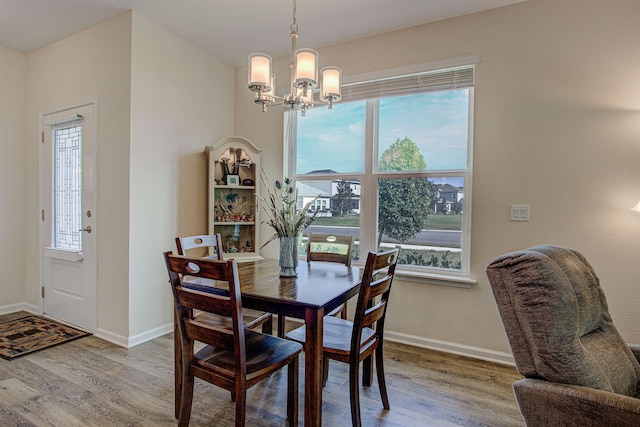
[88, 161]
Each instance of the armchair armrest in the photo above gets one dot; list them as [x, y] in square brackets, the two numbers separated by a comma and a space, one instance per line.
[546, 403]
[635, 349]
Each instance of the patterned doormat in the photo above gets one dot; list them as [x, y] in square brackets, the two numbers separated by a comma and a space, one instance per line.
[33, 333]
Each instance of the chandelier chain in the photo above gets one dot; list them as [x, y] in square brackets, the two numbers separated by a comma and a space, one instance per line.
[294, 12]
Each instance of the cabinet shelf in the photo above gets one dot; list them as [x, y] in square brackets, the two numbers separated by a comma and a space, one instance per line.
[234, 223]
[239, 187]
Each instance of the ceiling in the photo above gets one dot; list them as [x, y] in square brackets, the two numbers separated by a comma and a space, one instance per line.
[231, 29]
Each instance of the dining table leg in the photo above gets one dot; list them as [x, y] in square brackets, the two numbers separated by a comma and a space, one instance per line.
[313, 368]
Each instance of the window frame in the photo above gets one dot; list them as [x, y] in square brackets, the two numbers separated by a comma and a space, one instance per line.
[369, 178]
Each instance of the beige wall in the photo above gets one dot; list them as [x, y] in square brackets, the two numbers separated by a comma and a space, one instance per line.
[557, 126]
[181, 101]
[13, 67]
[161, 100]
[95, 62]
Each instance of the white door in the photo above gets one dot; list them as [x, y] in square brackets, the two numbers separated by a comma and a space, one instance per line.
[68, 215]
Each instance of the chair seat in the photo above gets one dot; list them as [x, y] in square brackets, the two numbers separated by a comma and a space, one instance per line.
[264, 353]
[251, 319]
[336, 339]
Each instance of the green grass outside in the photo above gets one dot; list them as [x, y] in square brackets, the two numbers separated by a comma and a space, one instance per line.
[342, 221]
[434, 221]
[417, 257]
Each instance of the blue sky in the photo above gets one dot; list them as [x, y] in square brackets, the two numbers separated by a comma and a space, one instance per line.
[436, 121]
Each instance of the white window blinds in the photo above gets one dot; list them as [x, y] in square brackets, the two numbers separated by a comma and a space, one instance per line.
[446, 79]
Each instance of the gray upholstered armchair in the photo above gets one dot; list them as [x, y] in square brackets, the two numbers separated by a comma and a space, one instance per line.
[578, 370]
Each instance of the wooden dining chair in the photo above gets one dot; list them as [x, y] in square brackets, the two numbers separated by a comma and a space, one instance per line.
[328, 248]
[355, 342]
[234, 359]
[252, 318]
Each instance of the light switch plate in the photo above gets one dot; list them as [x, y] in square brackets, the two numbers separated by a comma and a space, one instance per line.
[520, 212]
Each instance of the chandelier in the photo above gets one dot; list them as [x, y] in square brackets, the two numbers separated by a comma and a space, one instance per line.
[304, 78]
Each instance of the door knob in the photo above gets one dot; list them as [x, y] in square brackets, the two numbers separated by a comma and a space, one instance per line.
[87, 229]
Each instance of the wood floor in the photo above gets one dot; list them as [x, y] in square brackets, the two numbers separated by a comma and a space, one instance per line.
[90, 382]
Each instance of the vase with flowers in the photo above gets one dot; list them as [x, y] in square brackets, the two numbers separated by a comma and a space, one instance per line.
[280, 205]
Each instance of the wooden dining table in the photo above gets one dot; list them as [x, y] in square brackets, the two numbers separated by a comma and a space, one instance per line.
[318, 288]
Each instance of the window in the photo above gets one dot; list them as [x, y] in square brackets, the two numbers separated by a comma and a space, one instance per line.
[393, 160]
[67, 193]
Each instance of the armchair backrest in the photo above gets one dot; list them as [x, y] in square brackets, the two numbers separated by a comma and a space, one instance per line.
[557, 320]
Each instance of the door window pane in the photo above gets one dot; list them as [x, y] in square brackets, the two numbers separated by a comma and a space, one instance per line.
[67, 188]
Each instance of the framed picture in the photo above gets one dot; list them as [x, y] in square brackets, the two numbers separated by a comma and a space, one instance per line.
[233, 180]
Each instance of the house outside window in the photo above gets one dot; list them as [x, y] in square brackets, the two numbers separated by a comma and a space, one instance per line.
[394, 165]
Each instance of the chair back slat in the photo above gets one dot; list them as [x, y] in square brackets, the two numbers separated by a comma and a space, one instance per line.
[187, 243]
[376, 283]
[202, 301]
[330, 248]
[375, 311]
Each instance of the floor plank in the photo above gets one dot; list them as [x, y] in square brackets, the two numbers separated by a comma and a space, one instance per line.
[90, 382]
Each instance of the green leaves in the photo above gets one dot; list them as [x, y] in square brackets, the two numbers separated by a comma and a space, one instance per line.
[403, 203]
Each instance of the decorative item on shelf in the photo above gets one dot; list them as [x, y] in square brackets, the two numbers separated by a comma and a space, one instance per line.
[248, 182]
[224, 164]
[280, 206]
[235, 208]
[235, 157]
[304, 78]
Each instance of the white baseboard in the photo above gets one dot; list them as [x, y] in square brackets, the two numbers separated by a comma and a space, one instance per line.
[150, 334]
[116, 339]
[450, 347]
[445, 346]
[23, 306]
[129, 342]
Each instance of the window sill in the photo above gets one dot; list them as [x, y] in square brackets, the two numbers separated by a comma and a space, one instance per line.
[435, 279]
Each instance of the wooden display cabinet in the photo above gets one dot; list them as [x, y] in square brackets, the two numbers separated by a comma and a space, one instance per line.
[234, 181]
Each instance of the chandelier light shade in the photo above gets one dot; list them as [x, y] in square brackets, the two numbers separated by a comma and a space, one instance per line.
[331, 83]
[306, 68]
[304, 78]
[259, 71]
